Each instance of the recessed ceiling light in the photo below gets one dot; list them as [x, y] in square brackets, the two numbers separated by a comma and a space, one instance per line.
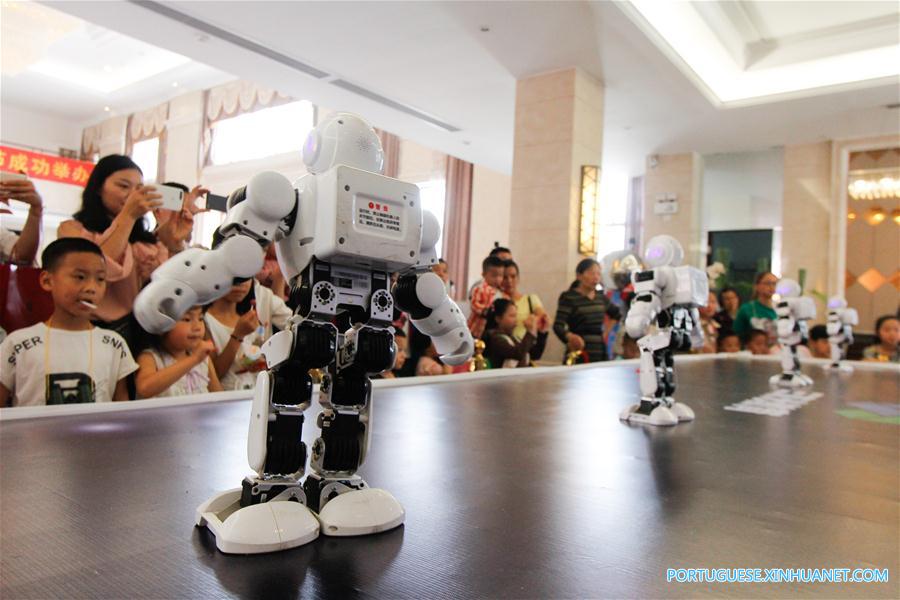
[485, 28]
[174, 84]
[106, 108]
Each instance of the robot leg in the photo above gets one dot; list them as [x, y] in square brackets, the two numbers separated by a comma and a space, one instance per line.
[790, 376]
[344, 502]
[652, 409]
[682, 411]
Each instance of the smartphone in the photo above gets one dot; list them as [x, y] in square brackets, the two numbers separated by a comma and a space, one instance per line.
[10, 176]
[216, 202]
[172, 197]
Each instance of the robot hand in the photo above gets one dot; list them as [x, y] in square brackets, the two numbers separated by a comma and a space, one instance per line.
[194, 277]
[642, 313]
[425, 298]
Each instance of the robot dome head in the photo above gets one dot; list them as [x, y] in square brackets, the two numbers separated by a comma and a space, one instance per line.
[343, 139]
[662, 251]
[836, 302]
[787, 288]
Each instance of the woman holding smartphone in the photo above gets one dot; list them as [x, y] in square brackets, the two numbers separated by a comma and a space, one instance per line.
[114, 203]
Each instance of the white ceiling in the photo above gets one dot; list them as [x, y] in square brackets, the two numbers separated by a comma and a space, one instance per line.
[433, 57]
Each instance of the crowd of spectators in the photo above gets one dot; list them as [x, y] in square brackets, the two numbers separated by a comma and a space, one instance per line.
[91, 349]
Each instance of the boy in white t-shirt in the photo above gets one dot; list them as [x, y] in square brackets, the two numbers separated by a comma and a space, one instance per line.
[66, 360]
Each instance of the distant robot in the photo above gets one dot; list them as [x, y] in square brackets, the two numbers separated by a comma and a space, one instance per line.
[663, 317]
[793, 312]
[841, 320]
[340, 232]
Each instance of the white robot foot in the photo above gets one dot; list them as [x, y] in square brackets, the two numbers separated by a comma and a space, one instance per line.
[349, 507]
[682, 412]
[642, 413]
[838, 368]
[790, 380]
[264, 527]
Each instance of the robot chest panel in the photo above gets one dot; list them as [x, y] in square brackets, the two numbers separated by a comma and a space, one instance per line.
[367, 220]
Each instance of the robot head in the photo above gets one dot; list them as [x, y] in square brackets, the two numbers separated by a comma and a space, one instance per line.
[663, 251]
[343, 139]
[836, 302]
[787, 288]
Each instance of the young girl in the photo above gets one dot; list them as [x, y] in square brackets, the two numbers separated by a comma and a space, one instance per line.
[503, 349]
[238, 336]
[887, 330]
[178, 363]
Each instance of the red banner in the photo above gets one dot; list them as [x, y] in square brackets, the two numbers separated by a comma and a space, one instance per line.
[45, 166]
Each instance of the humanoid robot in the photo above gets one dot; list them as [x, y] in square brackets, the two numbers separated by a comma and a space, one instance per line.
[793, 312]
[841, 320]
[663, 318]
[339, 233]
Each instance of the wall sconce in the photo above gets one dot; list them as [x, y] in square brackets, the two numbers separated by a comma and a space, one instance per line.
[851, 216]
[875, 215]
[587, 230]
[895, 215]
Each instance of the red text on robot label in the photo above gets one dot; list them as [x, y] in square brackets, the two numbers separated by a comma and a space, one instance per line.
[377, 216]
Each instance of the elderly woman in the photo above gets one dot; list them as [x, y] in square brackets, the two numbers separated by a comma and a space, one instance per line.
[580, 313]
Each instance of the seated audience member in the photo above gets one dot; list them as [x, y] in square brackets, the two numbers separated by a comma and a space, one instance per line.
[177, 362]
[730, 303]
[526, 305]
[114, 203]
[709, 325]
[612, 330]
[503, 348]
[887, 332]
[238, 335]
[271, 277]
[442, 270]
[430, 364]
[67, 360]
[484, 295]
[759, 313]
[758, 342]
[21, 249]
[504, 254]
[401, 343]
[819, 345]
[729, 342]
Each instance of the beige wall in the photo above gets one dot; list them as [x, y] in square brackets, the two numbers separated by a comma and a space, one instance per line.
[806, 215]
[681, 175]
[490, 216]
[558, 128]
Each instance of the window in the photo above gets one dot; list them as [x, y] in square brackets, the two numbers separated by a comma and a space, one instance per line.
[146, 155]
[433, 198]
[261, 133]
[612, 212]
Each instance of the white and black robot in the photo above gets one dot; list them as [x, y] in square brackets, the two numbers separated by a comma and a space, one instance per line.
[841, 320]
[663, 317]
[339, 232]
[793, 312]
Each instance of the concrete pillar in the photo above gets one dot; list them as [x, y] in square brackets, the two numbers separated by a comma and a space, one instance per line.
[559, 128]
[678, 176]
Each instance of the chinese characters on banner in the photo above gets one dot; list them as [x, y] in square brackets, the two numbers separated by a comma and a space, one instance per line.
[45, 166]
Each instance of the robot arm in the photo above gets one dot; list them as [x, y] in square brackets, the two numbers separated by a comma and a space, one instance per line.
[198, 276]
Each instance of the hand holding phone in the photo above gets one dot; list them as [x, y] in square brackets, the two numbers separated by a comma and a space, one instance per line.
[172, 198]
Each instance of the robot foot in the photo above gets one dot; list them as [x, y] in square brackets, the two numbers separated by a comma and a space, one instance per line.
[790, 380]
[648, 414]
[682, 412]
[838, 368]
[263, 527]
[349, 507]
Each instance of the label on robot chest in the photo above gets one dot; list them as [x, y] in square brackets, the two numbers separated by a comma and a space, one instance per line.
[378, 219]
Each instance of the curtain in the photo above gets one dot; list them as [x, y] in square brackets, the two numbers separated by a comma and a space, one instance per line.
[145, 125]
[457, 215]
[391, 145]
[634, 214]
[233, 99]
[90, 141]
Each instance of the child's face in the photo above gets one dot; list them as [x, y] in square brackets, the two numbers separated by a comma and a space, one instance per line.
[820, 348]
[510, 280]
[508, 321]
[440, 270]
[493, 277]
[239, 291]
[78, 281]
[758, 344]
[711, 308]
[731, 301]
[400, 359]
[730, 343]
[187, 333]
[889, 333]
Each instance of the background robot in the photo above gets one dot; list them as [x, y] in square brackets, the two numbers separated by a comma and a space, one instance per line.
[663, 318]
[841, 320]
[339, 235]
[793, 312]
